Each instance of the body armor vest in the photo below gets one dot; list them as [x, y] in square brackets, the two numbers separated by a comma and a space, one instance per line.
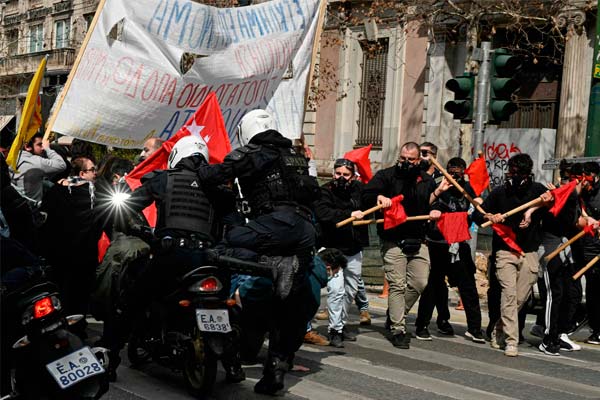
[186, 206]
[287, 180]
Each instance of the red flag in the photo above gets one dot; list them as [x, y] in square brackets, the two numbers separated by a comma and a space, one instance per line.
[206, 122]
[454, 227]
[103, 245]
[360, 157]
[479, 179]
[589, 230]
[561, 195]
[394, 215]
[509, 237]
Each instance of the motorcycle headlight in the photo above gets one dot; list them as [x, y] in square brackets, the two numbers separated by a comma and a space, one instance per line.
[210, 284]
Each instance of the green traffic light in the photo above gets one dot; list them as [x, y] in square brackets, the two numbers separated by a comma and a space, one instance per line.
[462, 106]
[502, 85]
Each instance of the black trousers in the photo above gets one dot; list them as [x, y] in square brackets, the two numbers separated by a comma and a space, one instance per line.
[592, 297]
[460, 274]
[561, 295]
[285, 232]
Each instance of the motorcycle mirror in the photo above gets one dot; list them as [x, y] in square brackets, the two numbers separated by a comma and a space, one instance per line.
[73, 319]
[24, 341]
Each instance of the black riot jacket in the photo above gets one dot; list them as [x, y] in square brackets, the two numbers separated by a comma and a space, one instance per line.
[269, 171]
[334, 206]
[187, 206]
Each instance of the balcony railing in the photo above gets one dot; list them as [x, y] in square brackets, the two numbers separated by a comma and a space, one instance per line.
[27, 63]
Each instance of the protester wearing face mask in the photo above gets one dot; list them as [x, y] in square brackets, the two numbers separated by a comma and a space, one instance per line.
[516, 272]
[429, 150]
[405, 256]
[449, 259]
[589, 246]
[340, 199]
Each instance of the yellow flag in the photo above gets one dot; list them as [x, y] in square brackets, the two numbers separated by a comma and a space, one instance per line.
[31, 116]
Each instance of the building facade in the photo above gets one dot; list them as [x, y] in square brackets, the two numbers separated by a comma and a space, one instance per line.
[31, 30]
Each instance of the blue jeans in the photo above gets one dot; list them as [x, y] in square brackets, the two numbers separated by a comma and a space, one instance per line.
[342, 289]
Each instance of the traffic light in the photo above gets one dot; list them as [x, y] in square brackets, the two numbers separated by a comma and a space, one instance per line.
[502, 85]
[462, 105]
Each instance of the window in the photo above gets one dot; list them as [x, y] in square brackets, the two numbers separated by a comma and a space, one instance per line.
[372, 93]
[88, 20]
[61, 29]
[12, 38]
[36, 38]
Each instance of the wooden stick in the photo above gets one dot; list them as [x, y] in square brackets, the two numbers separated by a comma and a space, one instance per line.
[380, 220]
[63, 93]
[367, 212]
[588, 266]
[564, 246]
[456, 185]
[522, 207]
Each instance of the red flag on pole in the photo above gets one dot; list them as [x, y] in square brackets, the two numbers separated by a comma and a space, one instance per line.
[103, 245]
[561, 194]
[479, 179]
[360, 157]
[454, 227]
[206, 122]
[395, 214]
[509, 237]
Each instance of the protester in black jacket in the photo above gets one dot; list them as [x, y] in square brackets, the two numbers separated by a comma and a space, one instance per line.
[516, 272]
[450, 259]
[405, 256]
[340, 199]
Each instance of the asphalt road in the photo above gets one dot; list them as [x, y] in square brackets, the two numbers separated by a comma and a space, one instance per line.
[371, 368]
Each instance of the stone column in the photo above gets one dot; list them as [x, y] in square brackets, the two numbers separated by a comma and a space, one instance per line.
[575, 88]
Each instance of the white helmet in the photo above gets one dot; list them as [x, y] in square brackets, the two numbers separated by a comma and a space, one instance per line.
[253, 123]
[187, 146]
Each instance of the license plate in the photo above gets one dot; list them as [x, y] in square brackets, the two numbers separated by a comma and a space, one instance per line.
[213, 320]
[75, 367]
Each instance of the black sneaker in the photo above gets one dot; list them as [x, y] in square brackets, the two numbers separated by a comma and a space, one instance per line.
[401, 340]
[550, 349]
[594, 338]
[348, 336]
[335, 339]
[445, 328]
[475, 335]
[423, 334]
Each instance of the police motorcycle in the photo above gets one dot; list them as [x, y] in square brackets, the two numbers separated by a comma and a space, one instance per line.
[42, 359]
[196, 325]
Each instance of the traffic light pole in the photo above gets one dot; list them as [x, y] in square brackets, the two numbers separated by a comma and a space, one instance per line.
[481, 106]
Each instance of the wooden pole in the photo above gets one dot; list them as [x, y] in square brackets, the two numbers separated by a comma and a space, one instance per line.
[63, 93]
[522, 207]
[564, 246]
[587, 266]
[456, 185]
[380, 220]
[367, 212]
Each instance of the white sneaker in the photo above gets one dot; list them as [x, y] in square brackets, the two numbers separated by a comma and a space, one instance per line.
[511, 350]
[537, 330]
[567, 344]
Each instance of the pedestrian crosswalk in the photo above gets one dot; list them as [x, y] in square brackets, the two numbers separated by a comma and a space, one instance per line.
[371, 368]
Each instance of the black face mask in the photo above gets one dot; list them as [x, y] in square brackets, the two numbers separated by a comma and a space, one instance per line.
[408, 170]
[341, 185]
[517, 183]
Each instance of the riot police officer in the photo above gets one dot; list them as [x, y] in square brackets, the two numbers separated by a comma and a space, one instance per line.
[275, 182]
[188, 223]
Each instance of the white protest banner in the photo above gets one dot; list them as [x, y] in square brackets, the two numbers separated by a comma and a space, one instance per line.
[500, 144]
[129, 85]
